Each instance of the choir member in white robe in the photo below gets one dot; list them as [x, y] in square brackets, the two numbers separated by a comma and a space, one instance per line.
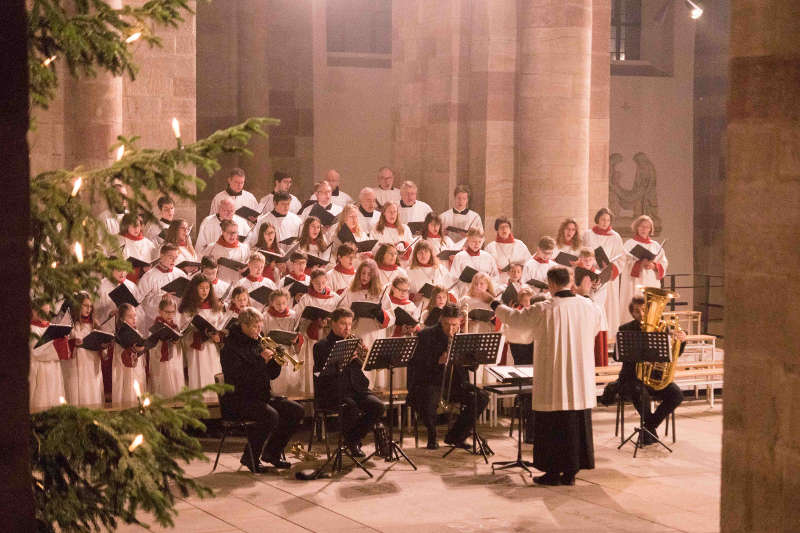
[460, 216]
[391, 231]
[166, 357]
[296, 272]
[585, 287]
[113, 215]
[641, 272]
[229, 247]
[368, 213]
[210, 269]
[201, 348]
[286, 223]
[433, 236]
[166, 213]
[135, 245]
[83, 373]
[280, 316]
[321, 296]
[439, 298]
[127, 366]
[411, 209]
[475, 300]
[338, 196]
[540, 263]
[424, 269]
[235, 193]
[313, 240]
[267, 244]
[178, 234]
[349, 230]
[505, 249]
[150, 289]
[255, 278]
[472, 256]
[386, 191]
[45, 379]
[211, 226]
[564, 329]
[283, 184]
[399, 299]
[586, 261]
[568, 238]
[602, 235]
[341, 276]
[388, 269]
[105, 310]
[322, 196]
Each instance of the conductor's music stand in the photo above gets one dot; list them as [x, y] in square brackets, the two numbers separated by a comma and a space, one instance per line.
[519, 462]
[338, 359]
[642, 347]
[389, 354]
[472, 350]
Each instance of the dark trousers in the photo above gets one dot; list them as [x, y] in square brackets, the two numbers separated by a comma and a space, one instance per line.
[470, 398]
[670, 397]
[426, 403]
[277, 420]
[361, 411]
[522, 353]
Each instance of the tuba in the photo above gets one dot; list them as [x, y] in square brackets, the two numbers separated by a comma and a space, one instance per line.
[282, 355]
[658, 375]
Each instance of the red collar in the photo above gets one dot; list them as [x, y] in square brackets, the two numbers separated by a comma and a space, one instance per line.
[86, 320]
[255, 279]
[224, 244]
[169, 323]
[215, 281]
[339, 268]
[598, 231]
[296, 278]
[312, 292]
[182, 243]
[470, 252]
[393, 226]
[509, 240]
[639, 239]
[365, 287]
[398, 301]
[542, 261]
[131, 237]
[205, 305]
[235, 308]
[162, 268]
[273, 312]
[388, 268]
[429, 235]
[40, 323]
[429, 265]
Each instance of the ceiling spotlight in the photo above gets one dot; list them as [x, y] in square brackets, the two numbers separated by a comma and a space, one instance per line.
[696, 11]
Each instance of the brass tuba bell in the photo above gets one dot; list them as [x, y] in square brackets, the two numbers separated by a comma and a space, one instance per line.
[658, 375]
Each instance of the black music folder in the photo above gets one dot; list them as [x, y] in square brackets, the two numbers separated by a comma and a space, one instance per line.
[467, 274]
[177, 286]
[367, 310]
[366, 246]
[261, 294]
[314, 313]
[325, 217]
[402, 318]
[416, 227]
[53, 332]
[123, 295]
[481, 315]
[283, 337]
[510, 296]
[445, 255]
[231, 264]
[247, 213]
[640, 252]
[538, 284]
[563, 258]
[426, 291]
[128, 336]
[601, 258]
[96, 340]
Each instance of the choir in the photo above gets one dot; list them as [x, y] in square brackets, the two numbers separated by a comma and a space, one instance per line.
[388, 257]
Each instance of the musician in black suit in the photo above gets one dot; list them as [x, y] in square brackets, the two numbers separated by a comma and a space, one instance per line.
[249, 368]
[640, 395]
[425, 372]
[351, 388]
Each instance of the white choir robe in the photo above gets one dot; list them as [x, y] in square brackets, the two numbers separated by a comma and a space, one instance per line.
[564, 329]
[184, 254]
[400, 378]
[438, 244]
[460, 219]
[153, 229]
[104, 306]
[616, 309]
[289, 280]
[111, 221]
[83, 374]
[482, 262]
[413, 213]
[361, 237]
[332, 208]
[387, 195]
[393, 235]
[506, 253]
[150, 293]
[317, 251]
[240, 252]
[210, 231]
[386, 274]
[122, 378]
[202, 364]
[419, 276]
[477, 326]
[45, 379]
[285, 227]
[252, 283]
[166, 377]
[142, 249]
[369, 329]
[646, 277]
[289, 382]
[244, 199]
[338, 197]
[536, 269]
[340, 278]
[312, 334]
[567, 250]
[367, 220]
[267, 204]
[222, 289]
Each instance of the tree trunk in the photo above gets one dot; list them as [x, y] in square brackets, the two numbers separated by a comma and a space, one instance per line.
[16, 499]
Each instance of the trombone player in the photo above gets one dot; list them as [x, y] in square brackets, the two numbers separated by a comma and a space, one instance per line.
[430, 377]
[249, 365]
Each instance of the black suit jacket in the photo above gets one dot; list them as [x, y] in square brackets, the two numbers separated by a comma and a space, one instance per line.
[331, 390]
[424, 369]
[246, 370]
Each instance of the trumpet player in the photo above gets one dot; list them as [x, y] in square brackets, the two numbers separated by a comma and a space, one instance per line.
[430, 377]
[250, 367]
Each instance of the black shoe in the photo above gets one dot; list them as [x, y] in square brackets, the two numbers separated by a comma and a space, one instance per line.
[277, 463]
[458, 443]
[258, 468]
[648, 438]
[548, 479]
[567, 479]
[356, 451]
[432, 445]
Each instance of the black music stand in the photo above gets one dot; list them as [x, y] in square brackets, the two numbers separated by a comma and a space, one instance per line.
[389, 354]
[642, 347]
[519, 462]
[338, 359]
[472, 350]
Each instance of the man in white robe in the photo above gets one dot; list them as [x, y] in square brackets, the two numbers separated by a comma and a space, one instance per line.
[460, 216]
[286, 223]
[229, 247]
[210, 228]
[386, 191]
[564, 329]
[368, 214]
[235, 192]
[150, 286]
[338, 197]
[411, 209]
[283, 183]
[166, 212]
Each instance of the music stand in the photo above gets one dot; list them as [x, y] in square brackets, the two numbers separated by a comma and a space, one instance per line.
[335, 364]
[520, 378]
[472, 350]
[642, 347]
[389, 354]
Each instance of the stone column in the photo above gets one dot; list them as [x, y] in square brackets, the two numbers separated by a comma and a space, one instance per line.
[761, 427]
[599, 112]
[553, 106]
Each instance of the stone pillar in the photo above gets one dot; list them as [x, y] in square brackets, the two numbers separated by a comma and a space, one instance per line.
[553, 110]
[761, 433]
[599, 113]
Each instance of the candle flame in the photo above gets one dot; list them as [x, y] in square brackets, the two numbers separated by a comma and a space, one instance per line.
[136, 388]
[62, 400]
[49, 60]
[54, 264]
[76, 186]
[133, 37]
[137, 441]
[146, 402]
[120, 152]
[79, 252]
[176, 128]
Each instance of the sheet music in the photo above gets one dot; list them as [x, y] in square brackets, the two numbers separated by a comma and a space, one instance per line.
[511, 373]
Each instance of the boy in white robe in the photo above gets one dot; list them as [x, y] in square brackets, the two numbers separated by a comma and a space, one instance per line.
[211, 227]
[150, 289]
[472, 256]
[286, 223]
[166, 212]
[283, 184]
[540, 263]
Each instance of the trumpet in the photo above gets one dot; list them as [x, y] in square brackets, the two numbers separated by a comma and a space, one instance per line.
[282, 355]
[362, 351]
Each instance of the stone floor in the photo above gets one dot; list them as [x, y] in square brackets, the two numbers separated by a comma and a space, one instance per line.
[657, 491]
